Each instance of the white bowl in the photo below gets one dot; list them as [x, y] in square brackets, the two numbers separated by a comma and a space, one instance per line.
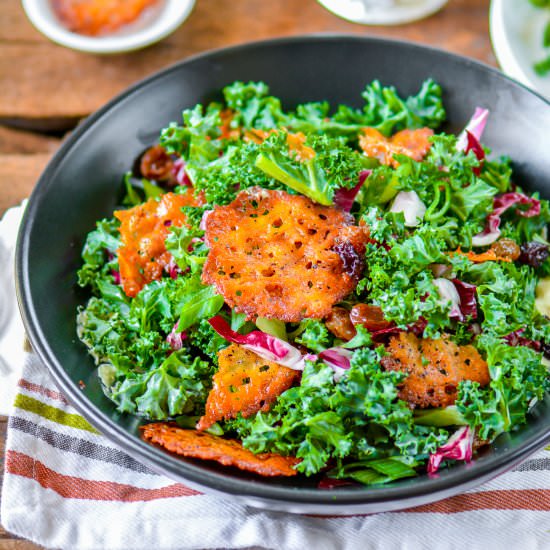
[170, 17]
[516, 32]
[382, 12]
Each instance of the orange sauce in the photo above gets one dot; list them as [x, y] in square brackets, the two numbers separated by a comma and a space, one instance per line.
[103, 17]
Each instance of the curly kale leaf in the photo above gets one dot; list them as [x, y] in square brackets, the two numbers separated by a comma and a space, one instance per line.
[179, 385]
[253, 107]
[387, 112]
[197, 139]
[334, 165]
[313, 334]
[187, 248]
[99, 254]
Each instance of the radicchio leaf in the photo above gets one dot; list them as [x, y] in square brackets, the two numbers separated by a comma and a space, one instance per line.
[338, 359]
[173, 269]
[180, 174]
[458, 447]
[515, 339]
[202, 225]
[175, 338]
[116, 276]
[343, 198]
[501, 203]
[266, 346]
[467, 293]
[475, 146]
[475, 128]
[470, 138]
[449, 293]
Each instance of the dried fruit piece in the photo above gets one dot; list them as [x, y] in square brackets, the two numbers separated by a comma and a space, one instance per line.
[369, 316]
[276, 255]
[143, 230]
[534, 253]
[156, 164]
[506, 248]
[228, 452]
[339, 323]
[245, 383]
[412, 143]
[434, 367]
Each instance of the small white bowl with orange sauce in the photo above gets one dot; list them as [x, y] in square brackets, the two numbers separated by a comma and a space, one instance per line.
[156, 22]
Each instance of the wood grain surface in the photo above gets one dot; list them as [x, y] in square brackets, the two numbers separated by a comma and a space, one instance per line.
[46, 88]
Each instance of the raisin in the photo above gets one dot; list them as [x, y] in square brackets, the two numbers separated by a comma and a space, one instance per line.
[353, 263]
[339, 323]
[506, 248]
[533, 253]
[369, 316]
[156, 164]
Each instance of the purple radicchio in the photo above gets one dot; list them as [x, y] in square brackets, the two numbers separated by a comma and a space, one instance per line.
[470, 138]
[467, 294]
[501, 203]
[458, 447]
[175, 338]
[180, 174]
[338, 359]
[475, 127]
[462, 297]
[516, 339]
[116, 276]
[266, 346]
[343, 198]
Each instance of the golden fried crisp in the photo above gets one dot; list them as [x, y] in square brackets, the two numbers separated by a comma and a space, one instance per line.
[412, 143]
[282, 256]
[435, 368]
[143, 230]
[98, 17]
[245, 383]
[228, 452]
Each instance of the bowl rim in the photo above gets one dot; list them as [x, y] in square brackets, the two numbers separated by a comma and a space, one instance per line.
[506, 54]
[161, 27]
[256, 492]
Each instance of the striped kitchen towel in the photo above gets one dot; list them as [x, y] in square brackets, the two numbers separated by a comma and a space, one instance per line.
[67, 486]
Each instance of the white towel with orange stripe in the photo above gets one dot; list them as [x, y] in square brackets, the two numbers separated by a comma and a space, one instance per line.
[67, 486]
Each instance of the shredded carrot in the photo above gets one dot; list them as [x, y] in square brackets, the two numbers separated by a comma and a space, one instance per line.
[488, 256]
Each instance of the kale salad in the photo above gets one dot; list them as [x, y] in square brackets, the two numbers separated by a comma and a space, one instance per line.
[331, 291]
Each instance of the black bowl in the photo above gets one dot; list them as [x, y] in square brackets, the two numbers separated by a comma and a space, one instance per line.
[83, 181]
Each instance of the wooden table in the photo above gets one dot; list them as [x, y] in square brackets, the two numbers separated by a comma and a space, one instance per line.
[45, 90]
